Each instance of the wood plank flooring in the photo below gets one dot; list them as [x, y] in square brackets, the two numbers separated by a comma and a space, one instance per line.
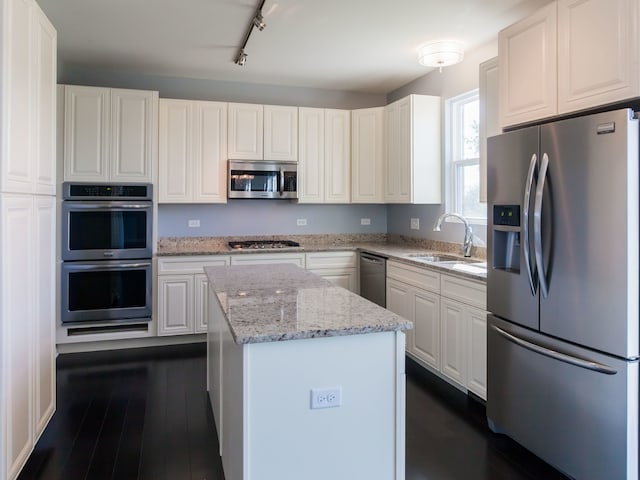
[144, 414]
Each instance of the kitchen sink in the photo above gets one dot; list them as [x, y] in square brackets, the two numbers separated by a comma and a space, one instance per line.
[438, 258]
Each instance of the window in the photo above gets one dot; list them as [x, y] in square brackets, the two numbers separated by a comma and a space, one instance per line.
[463, 158]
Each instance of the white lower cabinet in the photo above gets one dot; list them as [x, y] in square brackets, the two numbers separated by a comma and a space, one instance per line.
[262, 258]
[183, 294]
[337, 267]
[449, 322]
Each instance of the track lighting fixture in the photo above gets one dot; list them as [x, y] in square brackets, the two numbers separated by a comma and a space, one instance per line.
[256, 22]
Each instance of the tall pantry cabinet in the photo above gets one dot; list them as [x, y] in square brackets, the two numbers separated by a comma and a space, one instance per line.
[27, 230]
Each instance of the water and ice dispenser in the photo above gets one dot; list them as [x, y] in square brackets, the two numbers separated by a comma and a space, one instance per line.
[506, 237]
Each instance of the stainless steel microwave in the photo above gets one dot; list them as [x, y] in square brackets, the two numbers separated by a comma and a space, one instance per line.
[262, 179]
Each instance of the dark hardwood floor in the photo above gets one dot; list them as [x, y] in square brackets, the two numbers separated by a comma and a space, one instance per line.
[144, 414]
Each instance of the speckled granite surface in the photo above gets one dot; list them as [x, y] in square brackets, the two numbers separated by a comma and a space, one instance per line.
[395, 247]
[269, 303]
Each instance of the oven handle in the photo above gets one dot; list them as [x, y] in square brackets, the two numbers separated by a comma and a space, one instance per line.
[110, 267]
[109, 206]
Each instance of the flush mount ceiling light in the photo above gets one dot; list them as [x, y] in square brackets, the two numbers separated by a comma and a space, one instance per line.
[441, 53]
[256, 22]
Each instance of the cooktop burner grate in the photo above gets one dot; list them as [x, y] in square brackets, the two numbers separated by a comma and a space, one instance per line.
[263, 244]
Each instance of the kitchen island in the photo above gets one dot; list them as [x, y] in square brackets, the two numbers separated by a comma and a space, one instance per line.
[284, 347]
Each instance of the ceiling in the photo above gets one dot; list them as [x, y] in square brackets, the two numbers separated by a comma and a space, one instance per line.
[352, 45]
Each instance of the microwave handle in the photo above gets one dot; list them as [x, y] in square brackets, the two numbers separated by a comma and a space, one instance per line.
[281, 190]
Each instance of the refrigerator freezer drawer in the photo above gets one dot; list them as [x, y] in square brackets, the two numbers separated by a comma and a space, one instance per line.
[569, 409]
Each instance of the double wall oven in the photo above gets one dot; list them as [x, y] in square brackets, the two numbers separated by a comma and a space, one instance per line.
[107, 253]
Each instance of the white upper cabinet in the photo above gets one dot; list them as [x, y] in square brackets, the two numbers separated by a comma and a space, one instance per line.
[29, 90]
[311, 155]
[262, 132]
[598, 52]
[337, 156]
[412, 153]
[110, 135]
[245, 131]
[192, 152]
[280, 133]
[527, 56]
[489, 115]
[570, 55]
[324, 156]
[367, 155]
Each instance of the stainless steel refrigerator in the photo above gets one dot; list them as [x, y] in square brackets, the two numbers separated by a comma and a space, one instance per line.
[562, 292]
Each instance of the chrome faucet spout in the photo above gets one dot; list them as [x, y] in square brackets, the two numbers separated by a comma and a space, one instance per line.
[468, 233]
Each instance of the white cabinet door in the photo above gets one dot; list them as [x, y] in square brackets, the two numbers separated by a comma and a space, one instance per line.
[16, 233]
[453, 340]
[201, 302]
[311, 155]
[399, 301]
[245, 132]
[16, 79]
[345, 278]
[44, 108]
[426, 327]
[86, 133]
[597, 52]
[44, 340]
[489, 115]
[280, 133]
[174, 152]
[192, 152]
[477, 358]
[133, 135]
[210, 153]
[527, 55]
[412, 150]
[175, 304]
[367, 155]
[337, 156]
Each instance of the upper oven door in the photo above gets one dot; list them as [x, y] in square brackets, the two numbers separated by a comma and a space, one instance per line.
[106, 230]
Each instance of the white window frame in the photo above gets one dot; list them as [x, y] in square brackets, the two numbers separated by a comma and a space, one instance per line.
[453, 145]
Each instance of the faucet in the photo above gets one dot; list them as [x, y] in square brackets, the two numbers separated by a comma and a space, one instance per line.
[468, 241]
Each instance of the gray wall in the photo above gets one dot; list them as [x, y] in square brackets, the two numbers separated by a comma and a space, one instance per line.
[453, 81]
[269, 217]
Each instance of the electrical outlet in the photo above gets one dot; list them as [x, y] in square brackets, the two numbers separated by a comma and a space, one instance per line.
[365, 221]
[326, 397]
[302, 222]
[415, 224]
[194, 223]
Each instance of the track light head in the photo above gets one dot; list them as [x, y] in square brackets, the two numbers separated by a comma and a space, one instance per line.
[258, 21]
[241, 59]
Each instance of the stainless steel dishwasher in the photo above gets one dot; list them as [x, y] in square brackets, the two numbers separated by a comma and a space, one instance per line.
[373, 278]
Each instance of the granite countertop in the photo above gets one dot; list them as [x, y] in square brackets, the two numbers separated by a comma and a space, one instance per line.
[269, 303]
[395, 248]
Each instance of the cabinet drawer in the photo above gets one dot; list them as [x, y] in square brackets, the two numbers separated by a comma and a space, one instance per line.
[416, 276]
[185, 265]
[331, 260]
[466, 291]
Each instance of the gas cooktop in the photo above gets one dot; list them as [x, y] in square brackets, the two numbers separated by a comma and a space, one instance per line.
[263, 244]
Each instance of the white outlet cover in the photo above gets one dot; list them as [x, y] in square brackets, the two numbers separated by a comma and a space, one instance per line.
[365, 221]
[302, 222]
[326, 397]
[415, 224]
[194, 223]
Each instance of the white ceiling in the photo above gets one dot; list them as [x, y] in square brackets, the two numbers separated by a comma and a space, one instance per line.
[353, 45]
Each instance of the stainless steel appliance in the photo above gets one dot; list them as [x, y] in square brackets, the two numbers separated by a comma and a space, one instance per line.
[106, 252]
[373, 278]
[562, 289]
[264, 179]
[103, 222]
[263, 244]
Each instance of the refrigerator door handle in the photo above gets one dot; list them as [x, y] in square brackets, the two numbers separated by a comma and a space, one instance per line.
[537, 225]
[563, 357]
[531, 271]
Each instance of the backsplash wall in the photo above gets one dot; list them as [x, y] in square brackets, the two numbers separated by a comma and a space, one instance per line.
[268, 217]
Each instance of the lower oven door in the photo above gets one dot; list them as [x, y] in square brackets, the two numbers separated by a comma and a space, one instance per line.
[106, 291]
